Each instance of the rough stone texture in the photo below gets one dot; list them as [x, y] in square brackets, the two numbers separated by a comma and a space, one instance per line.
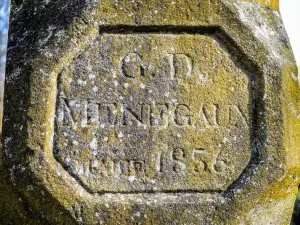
[136, 114]
[157, 112]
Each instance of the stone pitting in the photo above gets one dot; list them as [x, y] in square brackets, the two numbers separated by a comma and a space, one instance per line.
[141, 89]
[47, 41]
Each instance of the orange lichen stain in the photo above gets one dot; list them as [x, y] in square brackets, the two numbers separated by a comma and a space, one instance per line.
[274, 4]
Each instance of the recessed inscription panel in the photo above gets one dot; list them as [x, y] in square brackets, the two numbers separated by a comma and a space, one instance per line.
[153, 112]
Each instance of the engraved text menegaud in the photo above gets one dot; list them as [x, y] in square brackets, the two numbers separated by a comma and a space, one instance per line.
[161, 115]
[157, 113]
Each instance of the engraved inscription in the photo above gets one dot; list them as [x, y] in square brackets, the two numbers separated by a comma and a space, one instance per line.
[132, 66]
[154, 112]
[161, 115]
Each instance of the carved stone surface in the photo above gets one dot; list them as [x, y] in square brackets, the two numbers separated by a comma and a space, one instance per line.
[173, 112]
[154, 112]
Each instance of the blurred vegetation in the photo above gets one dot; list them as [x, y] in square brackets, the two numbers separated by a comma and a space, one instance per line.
[1, 103]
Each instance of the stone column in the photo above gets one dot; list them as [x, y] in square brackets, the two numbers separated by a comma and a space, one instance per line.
[150, 112]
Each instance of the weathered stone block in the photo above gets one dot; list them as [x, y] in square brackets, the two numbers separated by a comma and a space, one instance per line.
[132, 112]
